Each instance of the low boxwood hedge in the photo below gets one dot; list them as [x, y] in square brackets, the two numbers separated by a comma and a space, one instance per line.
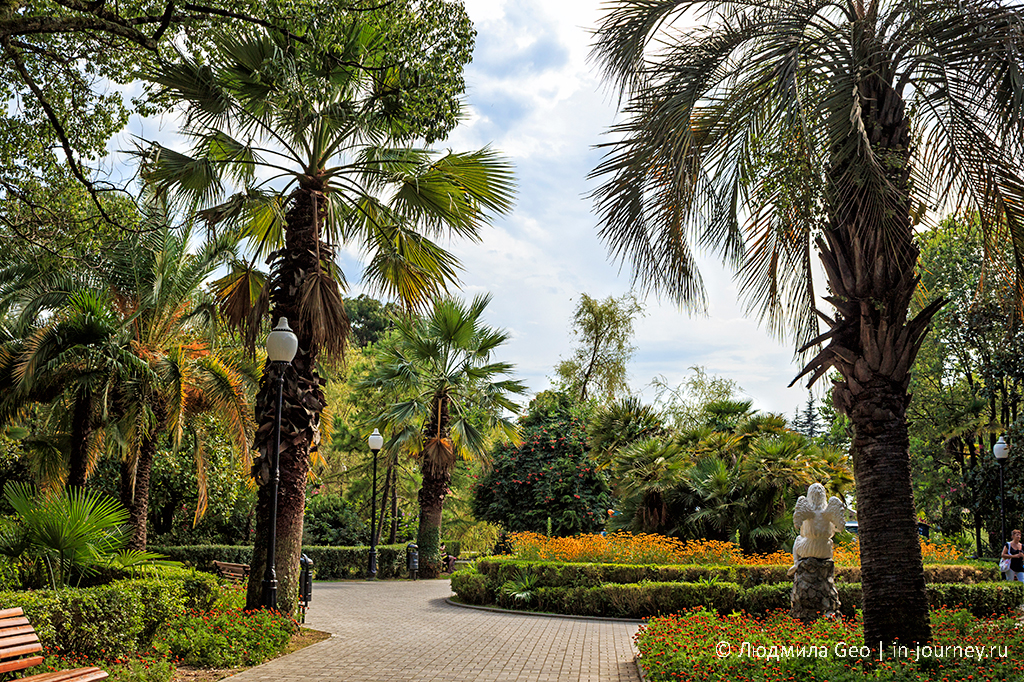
[573, 589]
[329, 563]
[558, 574]
[114, 620]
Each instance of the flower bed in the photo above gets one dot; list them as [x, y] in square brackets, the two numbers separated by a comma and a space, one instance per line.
[640, 548]
[703, 646]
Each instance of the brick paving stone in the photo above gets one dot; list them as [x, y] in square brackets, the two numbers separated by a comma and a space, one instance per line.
[404, 631]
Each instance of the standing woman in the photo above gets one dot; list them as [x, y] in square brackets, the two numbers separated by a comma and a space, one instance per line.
[1014, 551]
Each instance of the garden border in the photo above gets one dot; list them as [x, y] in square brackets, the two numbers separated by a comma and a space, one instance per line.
[496, 609]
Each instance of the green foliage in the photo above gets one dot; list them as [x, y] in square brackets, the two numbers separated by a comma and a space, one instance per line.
[329, 563]
[547, 476]
[225, 639]
[642, 591]
[202, 556]
[369, 319]
[604, 330]
[175, 492]
[114, 620]
[330, 520]
[472, 587]
[967, 382]
[561, 574]
[72, 531]
[735, 472]
[338, 563]
[521, 588]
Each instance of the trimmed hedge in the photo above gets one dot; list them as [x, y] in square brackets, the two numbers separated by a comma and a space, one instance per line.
[329, 563]
[114, 620]
[578, 589]
[637, 600]
[559, 574]
[643, 600]
[472, 587]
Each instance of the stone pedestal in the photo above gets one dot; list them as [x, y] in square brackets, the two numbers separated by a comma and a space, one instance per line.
[814, 590]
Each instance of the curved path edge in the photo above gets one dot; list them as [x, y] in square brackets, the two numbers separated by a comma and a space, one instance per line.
[545, 614]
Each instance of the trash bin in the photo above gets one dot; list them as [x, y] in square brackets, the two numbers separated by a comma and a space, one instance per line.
[305, 584]
[412, 559]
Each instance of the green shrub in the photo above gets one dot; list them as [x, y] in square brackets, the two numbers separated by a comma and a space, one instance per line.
[329, 563]
[575, 589]
[765, 598]
[638, 600]
[203, 556]
[112, 620]
[471, 587]
[225, 639]
[331, 521]
[562, 574]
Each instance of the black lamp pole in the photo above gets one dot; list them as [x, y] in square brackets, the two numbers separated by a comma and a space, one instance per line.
[1002, 504]
[376, 442]
[1001, 451]
[270, 575]
[282, 344]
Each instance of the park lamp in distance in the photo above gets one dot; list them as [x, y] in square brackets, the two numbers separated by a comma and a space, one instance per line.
[376, 441]
[282, 344]
[1001, 449]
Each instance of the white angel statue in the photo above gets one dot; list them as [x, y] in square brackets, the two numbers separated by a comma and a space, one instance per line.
[817, 522]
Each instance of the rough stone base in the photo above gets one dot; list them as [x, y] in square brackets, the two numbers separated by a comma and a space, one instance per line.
[814, 590]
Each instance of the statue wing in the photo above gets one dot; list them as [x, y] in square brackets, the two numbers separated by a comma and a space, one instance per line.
[836, 512]
[804, 510]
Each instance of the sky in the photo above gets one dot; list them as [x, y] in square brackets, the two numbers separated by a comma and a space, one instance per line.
[532, 94]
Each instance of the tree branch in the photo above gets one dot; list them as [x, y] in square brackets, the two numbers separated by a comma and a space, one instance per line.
[15, 57]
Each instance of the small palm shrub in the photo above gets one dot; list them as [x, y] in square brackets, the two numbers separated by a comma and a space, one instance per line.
[71, 532]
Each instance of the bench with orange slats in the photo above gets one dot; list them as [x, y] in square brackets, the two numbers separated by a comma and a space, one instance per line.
[236, 573]
[20, 648]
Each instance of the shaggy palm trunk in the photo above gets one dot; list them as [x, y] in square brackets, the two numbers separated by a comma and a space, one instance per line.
[436, 482]
[302, 404]
[81, 434]
[869, 259]
[135, 492]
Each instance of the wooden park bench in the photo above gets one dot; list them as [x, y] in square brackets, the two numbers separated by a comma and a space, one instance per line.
[236, 573]
[20, 648]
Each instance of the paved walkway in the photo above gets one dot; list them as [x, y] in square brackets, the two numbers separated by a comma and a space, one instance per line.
[403, 630]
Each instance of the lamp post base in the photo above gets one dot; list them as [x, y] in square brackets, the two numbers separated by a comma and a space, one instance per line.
[270, 594]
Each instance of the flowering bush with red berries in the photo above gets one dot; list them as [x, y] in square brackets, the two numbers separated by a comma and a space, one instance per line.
[548, 479]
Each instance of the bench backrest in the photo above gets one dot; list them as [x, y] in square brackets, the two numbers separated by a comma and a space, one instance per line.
[233, 571]
[18, 641]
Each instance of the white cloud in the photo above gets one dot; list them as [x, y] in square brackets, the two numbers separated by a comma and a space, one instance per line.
[533, 95]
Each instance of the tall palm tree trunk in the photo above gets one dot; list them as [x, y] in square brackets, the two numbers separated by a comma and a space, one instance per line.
[135, 492]
[303, 401]
[436, 482]
[869, 259]
[81, 434]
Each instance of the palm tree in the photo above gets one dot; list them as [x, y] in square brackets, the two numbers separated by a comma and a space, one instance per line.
[646, 473]
[170, 324]
[127, 345]
[459, 398]
[620, 424]
[318, 122]
[776, 128]
[69, 360]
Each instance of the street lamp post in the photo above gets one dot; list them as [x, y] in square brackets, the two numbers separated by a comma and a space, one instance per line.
[1001, 450]
[376, 442]
[282, 345]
